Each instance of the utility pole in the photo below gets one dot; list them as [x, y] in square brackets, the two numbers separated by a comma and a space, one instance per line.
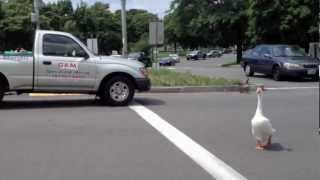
[124, 29]
[36, 12]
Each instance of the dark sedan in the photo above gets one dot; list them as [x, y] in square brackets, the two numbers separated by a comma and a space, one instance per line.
[142, 57]
[195, 55]
[280, 61]
[167, 61]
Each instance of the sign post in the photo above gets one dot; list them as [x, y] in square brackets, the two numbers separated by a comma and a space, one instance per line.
[35, 16]
[156, 38]
[124, 29]
[92, 45]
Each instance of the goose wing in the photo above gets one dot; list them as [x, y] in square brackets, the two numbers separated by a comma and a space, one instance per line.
[261, 128]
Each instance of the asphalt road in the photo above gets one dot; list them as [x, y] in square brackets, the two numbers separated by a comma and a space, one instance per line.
[73, 137]
[211, 67]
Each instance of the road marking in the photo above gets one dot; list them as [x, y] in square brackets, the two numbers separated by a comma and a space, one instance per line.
[51, 94]
[212, 164]
[291, 88]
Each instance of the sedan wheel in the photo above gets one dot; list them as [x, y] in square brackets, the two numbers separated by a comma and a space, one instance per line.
[276, 73]
[248, 69]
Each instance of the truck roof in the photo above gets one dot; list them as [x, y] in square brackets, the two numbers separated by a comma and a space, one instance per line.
[53, 32]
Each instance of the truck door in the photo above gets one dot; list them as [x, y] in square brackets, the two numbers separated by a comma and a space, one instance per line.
[64, 65]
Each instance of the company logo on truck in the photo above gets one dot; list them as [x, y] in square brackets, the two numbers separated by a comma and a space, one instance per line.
[68, 66]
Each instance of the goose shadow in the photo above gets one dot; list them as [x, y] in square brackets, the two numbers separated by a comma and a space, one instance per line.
[277, 147]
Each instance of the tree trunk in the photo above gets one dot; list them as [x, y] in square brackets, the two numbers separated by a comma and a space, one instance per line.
[240, 39]
[239, 44]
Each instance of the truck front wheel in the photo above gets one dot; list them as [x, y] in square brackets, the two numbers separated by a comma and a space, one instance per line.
[117, 91]
[1, 92]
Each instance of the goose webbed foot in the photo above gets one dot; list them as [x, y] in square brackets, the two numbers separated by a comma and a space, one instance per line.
[259, 146]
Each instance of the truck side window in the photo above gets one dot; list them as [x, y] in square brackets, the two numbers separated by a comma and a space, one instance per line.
[58, 45]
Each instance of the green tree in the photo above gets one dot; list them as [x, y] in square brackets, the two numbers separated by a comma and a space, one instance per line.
[16, 24]
[1, 30]
[194, 24]
[283, 21]
[137, 28]
[54, 16]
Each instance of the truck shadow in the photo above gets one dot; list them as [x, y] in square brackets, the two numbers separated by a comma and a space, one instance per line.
[149, 101]
[61, 103]
[38, 104]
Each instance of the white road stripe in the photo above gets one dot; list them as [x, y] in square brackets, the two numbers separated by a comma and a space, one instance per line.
[291, 88]
[212, 164]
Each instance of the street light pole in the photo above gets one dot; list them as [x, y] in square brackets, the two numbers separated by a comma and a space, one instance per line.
[36, 11]
[124, 29]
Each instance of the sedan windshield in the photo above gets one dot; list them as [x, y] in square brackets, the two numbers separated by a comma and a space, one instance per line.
[288, 51]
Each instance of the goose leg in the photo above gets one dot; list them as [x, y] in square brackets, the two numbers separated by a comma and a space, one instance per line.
[259, 146]
[269, 141]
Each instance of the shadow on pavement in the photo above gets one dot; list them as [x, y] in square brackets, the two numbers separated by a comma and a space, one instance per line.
[289, 79]
[5, 105]
[149, 101]
[74, 103]
[277, 147]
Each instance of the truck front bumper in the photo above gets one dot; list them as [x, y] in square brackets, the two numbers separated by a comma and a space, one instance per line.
[143, 84]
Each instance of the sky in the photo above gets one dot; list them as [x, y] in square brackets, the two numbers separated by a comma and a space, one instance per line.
[158, 7]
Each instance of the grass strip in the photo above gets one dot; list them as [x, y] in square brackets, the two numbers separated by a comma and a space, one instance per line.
[166, 77]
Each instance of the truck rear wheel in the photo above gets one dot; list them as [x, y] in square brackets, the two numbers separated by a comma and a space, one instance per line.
[117, 91]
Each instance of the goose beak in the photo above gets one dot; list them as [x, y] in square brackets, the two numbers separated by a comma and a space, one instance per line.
[259, 91]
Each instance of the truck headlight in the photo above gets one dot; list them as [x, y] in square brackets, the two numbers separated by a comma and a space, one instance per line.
[144, 71]
[292, 66]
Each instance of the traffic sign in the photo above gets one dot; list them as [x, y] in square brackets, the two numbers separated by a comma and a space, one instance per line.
[156, 33]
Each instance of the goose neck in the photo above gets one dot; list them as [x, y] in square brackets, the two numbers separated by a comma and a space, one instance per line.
[259, 104]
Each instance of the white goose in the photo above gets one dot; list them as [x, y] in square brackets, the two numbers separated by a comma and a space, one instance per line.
[261, 126]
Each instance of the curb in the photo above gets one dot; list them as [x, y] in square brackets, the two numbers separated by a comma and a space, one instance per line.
[184, 89]
[194, 89]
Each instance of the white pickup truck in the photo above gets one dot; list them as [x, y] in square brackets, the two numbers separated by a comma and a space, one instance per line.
[60, 63]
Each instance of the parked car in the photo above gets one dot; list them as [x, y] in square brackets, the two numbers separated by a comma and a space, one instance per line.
[227, 50]
[214, 53]
[196, 55]
[142, 57]
[167, 61]
[61, 63]
[175, 57]
[280, 61]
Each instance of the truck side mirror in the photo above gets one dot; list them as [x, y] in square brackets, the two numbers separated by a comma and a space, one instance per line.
[86, 56]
